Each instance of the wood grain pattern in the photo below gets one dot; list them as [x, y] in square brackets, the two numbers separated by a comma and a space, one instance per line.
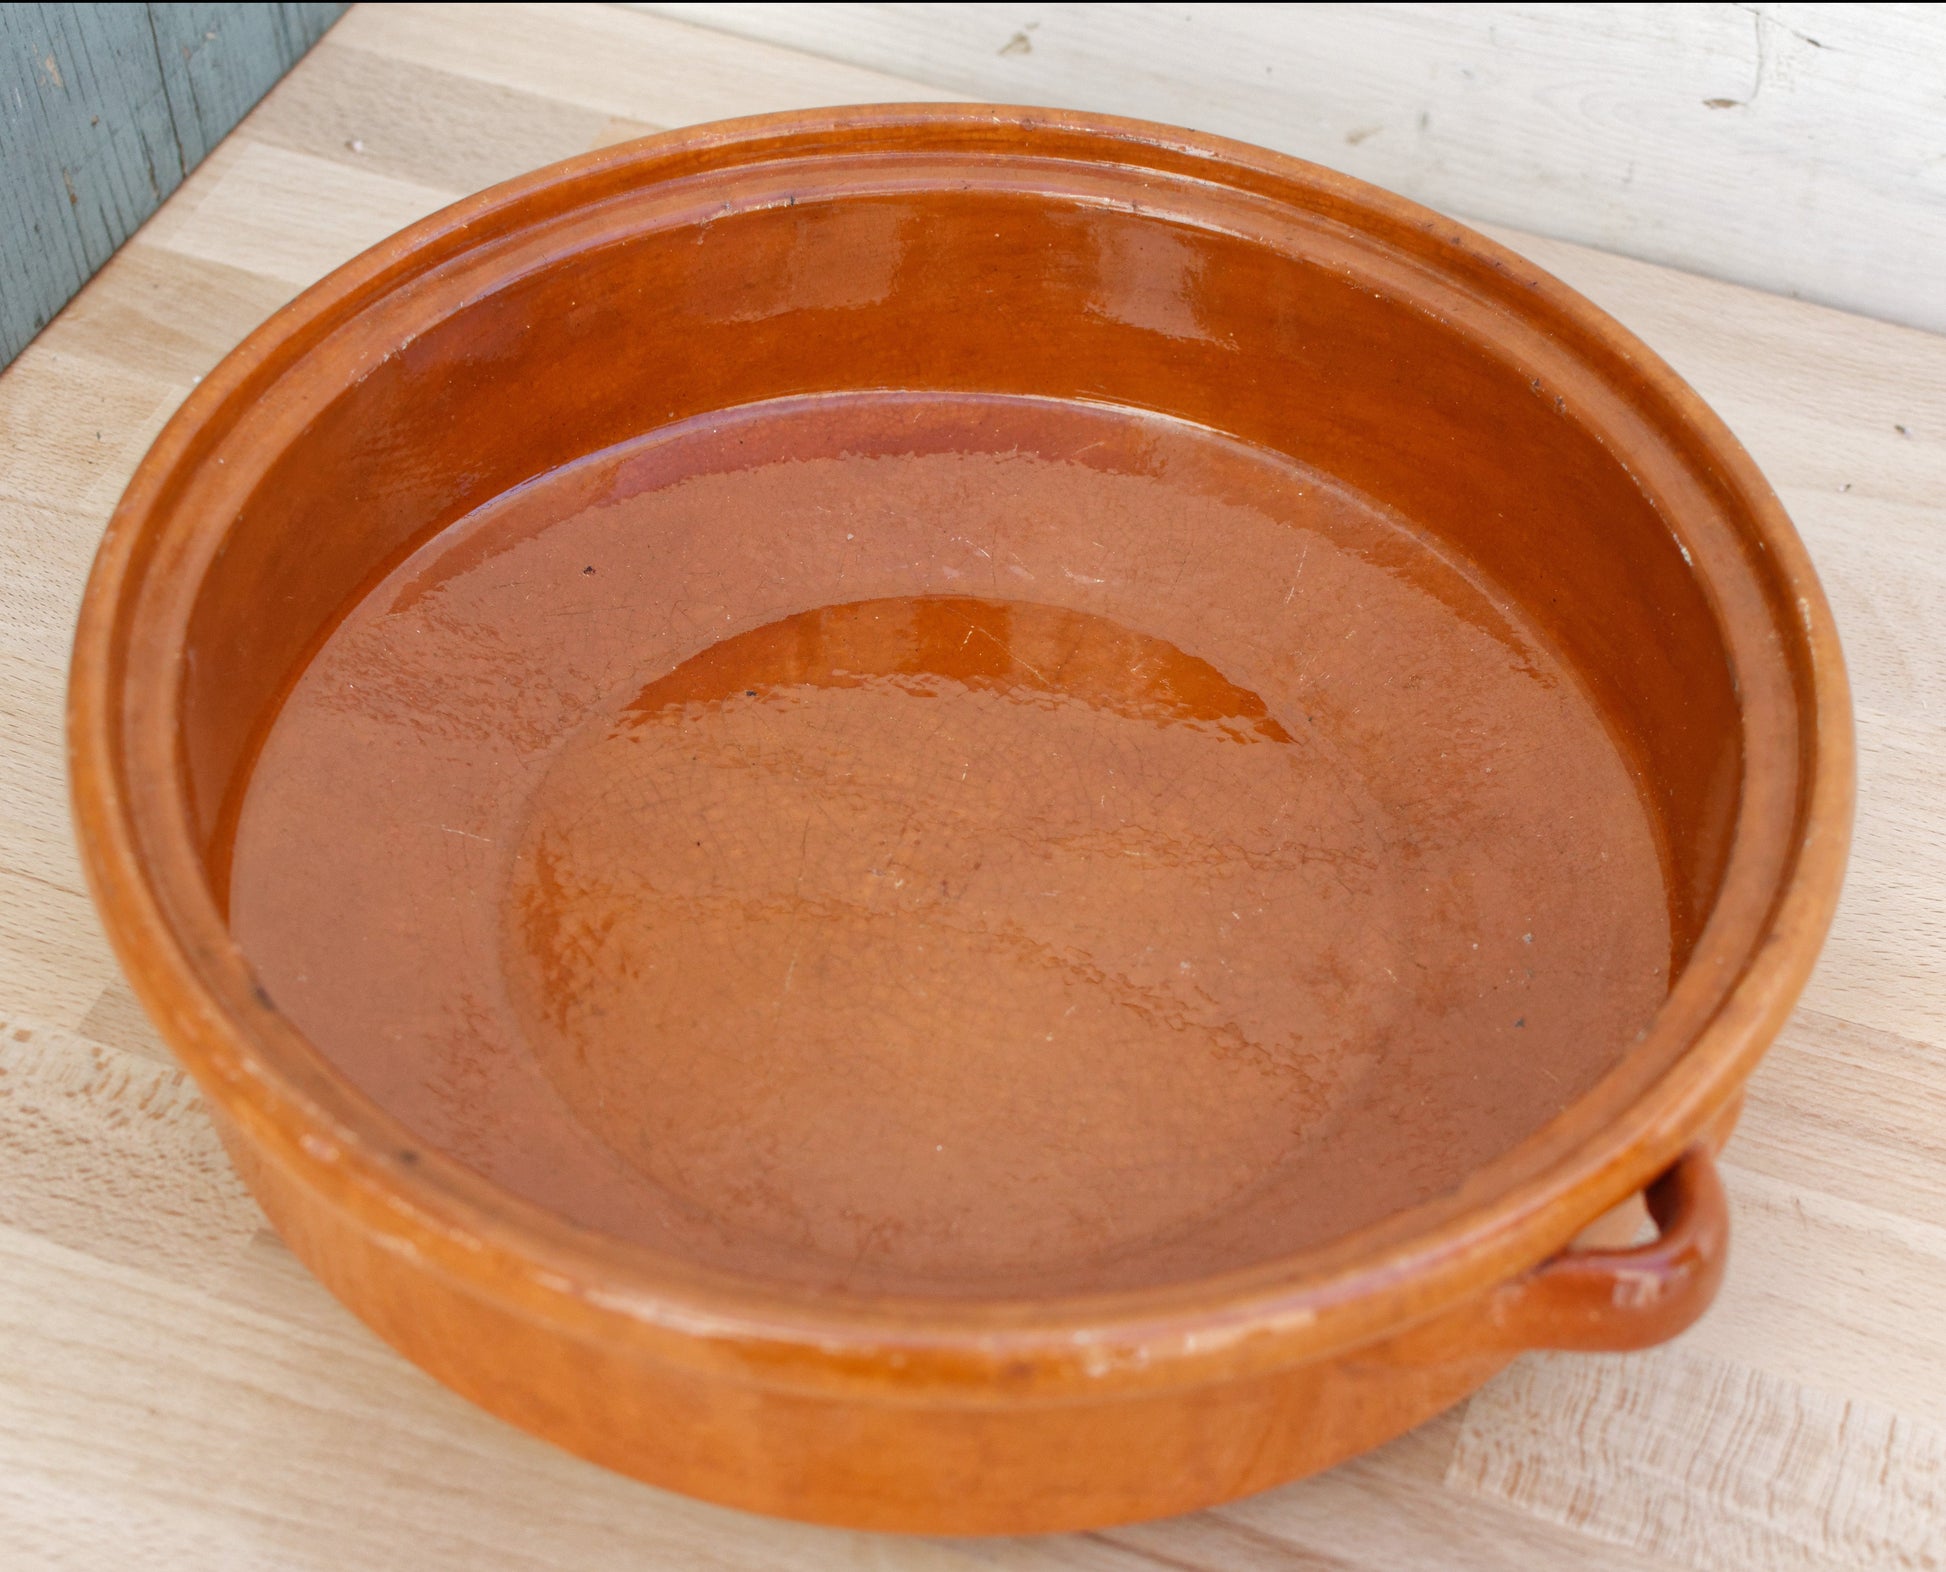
[123, 1163]
[1775, 145]
[1798, 1478]
[103, 110]
[179, 1394]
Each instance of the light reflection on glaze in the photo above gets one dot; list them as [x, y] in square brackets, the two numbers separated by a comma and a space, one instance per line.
[673, 840]
[1029, 653]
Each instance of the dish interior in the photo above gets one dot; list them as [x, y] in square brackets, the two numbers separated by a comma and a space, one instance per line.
[953, 723]
[952, 844]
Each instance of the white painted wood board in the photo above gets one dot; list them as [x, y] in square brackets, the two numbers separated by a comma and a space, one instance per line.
[1797, 148]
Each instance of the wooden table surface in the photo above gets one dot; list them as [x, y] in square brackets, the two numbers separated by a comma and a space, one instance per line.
[176, 1392]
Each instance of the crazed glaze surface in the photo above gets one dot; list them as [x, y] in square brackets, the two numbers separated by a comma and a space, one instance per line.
[951, 844]
[894, 1342]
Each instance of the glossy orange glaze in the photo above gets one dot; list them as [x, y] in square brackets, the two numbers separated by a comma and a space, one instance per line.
[576, 525]
[951, 845]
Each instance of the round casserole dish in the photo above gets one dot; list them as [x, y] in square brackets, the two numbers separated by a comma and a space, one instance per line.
[1280, 510]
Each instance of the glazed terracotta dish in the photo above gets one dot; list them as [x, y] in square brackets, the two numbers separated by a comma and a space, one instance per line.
[963, 819]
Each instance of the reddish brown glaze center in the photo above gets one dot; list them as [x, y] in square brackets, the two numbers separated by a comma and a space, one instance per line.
[953, 844]
[1010, 905]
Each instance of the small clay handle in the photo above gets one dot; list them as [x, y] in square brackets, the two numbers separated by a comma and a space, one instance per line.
[1609, 1301]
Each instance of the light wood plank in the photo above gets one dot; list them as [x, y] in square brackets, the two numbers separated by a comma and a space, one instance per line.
[661, 73]
[35, 839]
[152, 1425]
[74, 433]
[1882, 965]
[1389, 1512]
[288, 216]
[111, 1154]
[1708, 1463]
[418, 123]
[1831, 1293]
[1860, 1110]
[52, 953]
[44, 551]
[172, 315]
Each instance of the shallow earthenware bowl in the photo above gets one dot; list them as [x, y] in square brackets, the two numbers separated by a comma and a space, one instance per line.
[963, 819]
